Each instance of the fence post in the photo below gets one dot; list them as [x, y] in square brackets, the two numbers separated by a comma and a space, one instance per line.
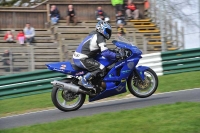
[162, 26]
[11, 61]
[14, 20]
[134, 38]
[183, 37]
[170, 28]
[47, 8]
[149, 11]
[144, 45]
[176, 33]
[154, 12]
[60, 50]
[32, 58]
[165, 25]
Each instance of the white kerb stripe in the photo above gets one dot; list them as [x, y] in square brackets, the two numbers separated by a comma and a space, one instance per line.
[151, 58]
[154, 61]
[150, 55]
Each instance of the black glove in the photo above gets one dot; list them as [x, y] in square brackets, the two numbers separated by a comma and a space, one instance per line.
[118, 56]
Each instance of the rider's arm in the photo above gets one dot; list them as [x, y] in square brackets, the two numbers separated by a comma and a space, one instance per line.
[104, 50]
[109, 54]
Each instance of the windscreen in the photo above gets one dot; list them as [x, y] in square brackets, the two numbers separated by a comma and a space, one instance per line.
[122, 39]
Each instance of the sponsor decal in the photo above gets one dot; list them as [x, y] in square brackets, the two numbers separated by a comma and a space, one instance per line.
[130, 65]
[62, 70]
[79, 73]
[126, 71]
[130, 60]
[120, 88]
[63, 67]
[59, 70]
[120, 64]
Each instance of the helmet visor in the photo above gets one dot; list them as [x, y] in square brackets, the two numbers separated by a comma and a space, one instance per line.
[109, 32]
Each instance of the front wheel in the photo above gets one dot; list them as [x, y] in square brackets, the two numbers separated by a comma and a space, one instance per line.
[146, 88]
[65, 100]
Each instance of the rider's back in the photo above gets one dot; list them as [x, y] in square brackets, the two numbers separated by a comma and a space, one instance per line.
[90, 45]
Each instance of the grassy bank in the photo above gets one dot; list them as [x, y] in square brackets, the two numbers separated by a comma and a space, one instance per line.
[38, 102]
[172, 118]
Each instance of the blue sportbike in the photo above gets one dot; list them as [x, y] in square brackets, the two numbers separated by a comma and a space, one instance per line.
[119, 75]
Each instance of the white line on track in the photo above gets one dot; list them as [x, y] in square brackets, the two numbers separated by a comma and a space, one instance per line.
[96, 103]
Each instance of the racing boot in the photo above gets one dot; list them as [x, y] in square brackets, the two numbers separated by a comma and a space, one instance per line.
[85, 81]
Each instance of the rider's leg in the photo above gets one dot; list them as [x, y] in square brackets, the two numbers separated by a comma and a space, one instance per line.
[87, 77]
[85, 80]
[93, 67]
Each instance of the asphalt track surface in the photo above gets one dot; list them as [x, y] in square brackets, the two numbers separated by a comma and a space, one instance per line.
[192, 95]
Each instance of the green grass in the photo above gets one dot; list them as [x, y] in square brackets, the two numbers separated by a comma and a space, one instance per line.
[180, 81]
[170, 118]
[167, 83]
[25, 104]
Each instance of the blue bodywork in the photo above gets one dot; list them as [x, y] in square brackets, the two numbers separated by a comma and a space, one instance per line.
[116, 78]
[66, 68]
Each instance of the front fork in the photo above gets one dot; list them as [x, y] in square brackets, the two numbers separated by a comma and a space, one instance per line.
[139, 71]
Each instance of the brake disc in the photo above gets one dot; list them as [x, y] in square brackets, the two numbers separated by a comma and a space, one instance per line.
[68, 96]
[143, 85]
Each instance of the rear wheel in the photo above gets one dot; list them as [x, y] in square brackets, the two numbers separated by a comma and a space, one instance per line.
[65, 100]
[146, 88]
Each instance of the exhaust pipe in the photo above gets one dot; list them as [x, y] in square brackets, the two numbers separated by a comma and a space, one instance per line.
[69, 87]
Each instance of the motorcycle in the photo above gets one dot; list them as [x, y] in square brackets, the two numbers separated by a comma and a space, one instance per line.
[141, 81]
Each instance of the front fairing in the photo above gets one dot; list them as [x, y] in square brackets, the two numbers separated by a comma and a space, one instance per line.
[135, 50]
[127, 65]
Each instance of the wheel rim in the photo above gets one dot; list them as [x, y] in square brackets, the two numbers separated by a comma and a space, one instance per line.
[145, 91]
[64, 102]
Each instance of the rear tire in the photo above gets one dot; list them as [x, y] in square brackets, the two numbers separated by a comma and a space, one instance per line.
[133, 89]
[55, 96]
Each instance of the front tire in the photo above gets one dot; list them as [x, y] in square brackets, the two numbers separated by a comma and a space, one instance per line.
[146, 88]
[65, 100]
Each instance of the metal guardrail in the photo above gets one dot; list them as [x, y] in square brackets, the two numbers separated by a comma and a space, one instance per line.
[181, 61]
[172, 62]
[28, 83]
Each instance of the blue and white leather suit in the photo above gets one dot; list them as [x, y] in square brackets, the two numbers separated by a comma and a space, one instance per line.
[93, 44]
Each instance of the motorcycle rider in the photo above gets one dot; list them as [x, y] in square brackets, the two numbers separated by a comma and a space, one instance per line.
[94, 43]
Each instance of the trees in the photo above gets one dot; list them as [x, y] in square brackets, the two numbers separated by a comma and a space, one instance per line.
[184, 10]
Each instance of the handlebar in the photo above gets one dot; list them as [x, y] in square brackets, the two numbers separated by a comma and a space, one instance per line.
[121, 52]
[124, 53]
